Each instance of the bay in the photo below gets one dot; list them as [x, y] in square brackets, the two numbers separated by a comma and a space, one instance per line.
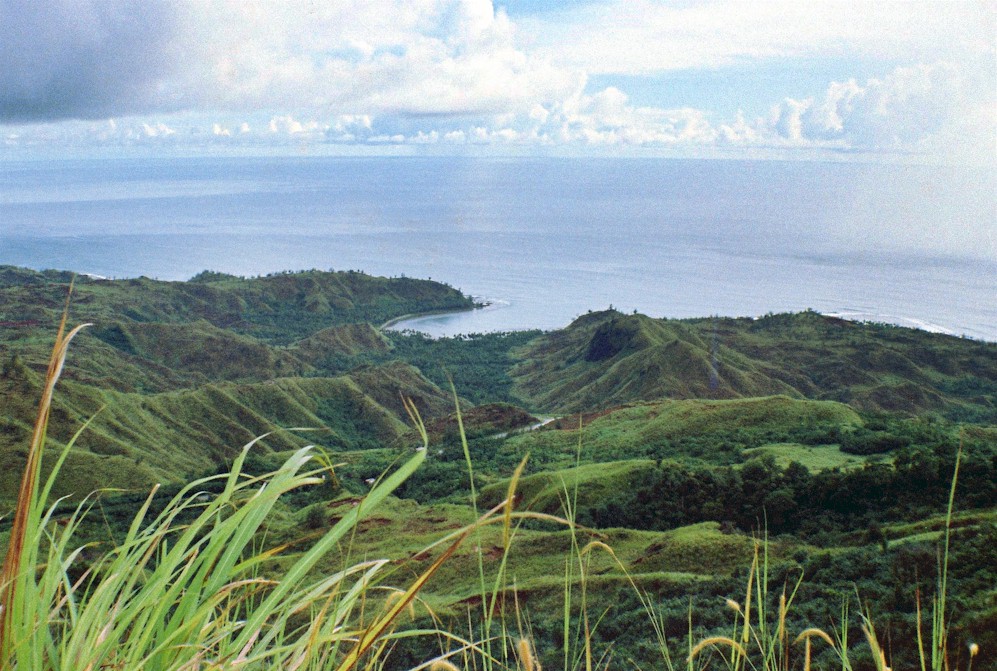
[543, 240]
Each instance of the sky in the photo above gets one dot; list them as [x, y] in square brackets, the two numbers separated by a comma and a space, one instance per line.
[841, 79]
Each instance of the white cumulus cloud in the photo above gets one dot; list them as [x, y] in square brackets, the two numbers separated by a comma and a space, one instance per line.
[608, 118]
[905, 110]
[157, 130]
[351, 57]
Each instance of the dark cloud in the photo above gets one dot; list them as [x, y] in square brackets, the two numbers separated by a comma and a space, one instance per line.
[62, 59]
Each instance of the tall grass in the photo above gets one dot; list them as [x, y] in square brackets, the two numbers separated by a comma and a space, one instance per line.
[191, 588]
[18, 598]
[188, 588]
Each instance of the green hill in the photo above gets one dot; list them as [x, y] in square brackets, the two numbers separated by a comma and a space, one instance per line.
[200, 351]
[279, 308]
[179, 374]
[349, 340]
[136, 440]
[607, 358]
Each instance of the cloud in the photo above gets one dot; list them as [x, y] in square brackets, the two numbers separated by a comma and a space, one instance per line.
[350, 128]
[93, 58]
[230, 73]
[288, 125]
[608, 118]
[157, 130]
[645, 36]
[85, 58]
[432, 57]
[906, 110]
[925, 110]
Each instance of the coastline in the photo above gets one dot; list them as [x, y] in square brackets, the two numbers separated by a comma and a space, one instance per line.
[391, 323]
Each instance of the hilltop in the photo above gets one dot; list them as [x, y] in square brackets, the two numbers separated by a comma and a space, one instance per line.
[607, 358]
[278, 308]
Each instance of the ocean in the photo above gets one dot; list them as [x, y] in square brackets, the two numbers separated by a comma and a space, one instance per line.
[542, 240]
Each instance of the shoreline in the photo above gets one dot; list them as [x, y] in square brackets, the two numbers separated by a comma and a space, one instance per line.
[391, 323]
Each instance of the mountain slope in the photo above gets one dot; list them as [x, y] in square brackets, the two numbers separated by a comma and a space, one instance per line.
[138, 439]
[607, 358]
[279, 308]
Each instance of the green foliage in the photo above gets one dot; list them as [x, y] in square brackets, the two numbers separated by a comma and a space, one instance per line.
[607, 358]
[278, 309]
[791, 499]
[478, 364]
[126, 446]
[864, 442]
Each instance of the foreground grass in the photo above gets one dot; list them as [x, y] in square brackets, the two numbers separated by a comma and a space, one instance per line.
[191, 586]
[186, 589]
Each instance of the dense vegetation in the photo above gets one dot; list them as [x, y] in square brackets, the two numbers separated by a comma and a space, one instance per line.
[279, 308]
[675, 442]
[606, 358]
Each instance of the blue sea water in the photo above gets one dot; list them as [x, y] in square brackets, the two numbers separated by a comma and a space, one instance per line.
[542, 239]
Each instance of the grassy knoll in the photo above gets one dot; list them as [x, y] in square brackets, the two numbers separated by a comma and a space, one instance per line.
[549, 491]
[715, 432]
[812, 457]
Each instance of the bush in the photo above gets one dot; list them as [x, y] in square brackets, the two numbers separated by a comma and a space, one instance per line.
[862, 441]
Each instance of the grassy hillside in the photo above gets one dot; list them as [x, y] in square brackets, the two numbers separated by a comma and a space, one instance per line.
[136, 440]
[177, 374]
[607, 358]
[278, 308]
[716, 432]
[155, 336]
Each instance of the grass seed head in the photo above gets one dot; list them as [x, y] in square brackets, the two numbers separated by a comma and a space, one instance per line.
[442, 665]
[526, 657]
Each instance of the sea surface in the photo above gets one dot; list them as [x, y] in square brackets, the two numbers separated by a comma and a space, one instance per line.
[542, 240]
